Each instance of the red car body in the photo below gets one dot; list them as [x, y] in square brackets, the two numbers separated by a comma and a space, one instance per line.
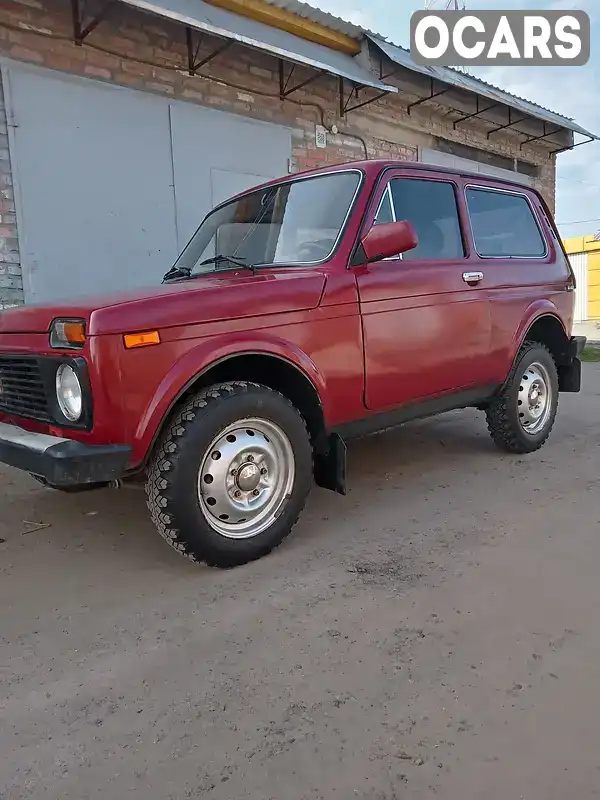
[375, 343]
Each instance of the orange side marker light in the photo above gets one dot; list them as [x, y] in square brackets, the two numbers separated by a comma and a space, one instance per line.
[144, 339]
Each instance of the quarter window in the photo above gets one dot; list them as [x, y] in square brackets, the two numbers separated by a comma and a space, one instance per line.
[385, 212]
[431, 207]
[503, 225]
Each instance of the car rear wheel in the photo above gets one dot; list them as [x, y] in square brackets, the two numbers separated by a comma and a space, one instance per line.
[231, 475]
[522, 416]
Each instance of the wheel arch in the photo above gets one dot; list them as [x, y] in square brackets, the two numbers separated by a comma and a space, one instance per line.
[548, 329]
[543, 324]
[270, 369]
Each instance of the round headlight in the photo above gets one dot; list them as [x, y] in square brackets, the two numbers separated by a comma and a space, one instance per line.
[68, 392]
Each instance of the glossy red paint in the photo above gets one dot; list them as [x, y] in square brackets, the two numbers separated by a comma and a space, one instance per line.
[389, 239]
[426, 332]
[368, 337]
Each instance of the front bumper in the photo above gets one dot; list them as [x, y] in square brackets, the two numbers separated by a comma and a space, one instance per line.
[61, 462]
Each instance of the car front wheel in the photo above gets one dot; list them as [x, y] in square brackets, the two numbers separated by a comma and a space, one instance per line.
[231, 475]
[522, 416]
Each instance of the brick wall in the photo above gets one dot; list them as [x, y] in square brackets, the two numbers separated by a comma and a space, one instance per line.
[141, 51]
[11, 286]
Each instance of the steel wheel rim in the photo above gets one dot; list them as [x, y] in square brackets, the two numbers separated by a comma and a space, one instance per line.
[246, 476]
[535, 399]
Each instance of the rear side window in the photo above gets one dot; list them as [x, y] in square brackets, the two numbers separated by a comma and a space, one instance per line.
[504, 225]
[431, 207]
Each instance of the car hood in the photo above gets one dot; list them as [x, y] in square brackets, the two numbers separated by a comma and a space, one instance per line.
[207, 298]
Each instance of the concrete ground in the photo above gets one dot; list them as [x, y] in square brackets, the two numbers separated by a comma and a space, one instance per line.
[435, 633]
[589, 329]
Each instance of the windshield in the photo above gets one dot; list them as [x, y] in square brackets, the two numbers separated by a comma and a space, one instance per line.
[292, 223]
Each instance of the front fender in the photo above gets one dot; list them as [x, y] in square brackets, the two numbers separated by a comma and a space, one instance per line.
[207, 354]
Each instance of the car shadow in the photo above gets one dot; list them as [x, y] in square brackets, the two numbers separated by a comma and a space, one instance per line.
[112, 525]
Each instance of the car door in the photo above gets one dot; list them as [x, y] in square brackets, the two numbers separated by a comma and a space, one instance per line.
[426, 330]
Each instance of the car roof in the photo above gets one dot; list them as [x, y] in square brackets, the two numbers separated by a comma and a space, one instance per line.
[376, 166]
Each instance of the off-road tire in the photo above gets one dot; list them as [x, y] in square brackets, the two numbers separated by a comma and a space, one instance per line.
[171, 486]
[502, 413]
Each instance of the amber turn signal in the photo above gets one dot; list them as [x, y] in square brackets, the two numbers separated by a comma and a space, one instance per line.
[67, 333]
[144, 339]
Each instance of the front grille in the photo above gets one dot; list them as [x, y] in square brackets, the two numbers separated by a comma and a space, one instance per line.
[22, 389]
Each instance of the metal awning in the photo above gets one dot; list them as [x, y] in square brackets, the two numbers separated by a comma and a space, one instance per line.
[199, 16]
[453, 79]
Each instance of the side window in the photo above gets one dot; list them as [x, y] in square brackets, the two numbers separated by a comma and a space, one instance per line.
[504, 225]
[385, 212]
[432, 208]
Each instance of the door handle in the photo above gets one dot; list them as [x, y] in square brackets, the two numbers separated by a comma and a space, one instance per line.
[472, 277]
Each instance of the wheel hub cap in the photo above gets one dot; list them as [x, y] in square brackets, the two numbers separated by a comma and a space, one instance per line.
[534, 396]
[535, 399]
[245, 478]
[248, 477]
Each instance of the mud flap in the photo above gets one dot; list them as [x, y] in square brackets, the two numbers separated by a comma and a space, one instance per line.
[330, 465]
[569, 374]
[569, 378]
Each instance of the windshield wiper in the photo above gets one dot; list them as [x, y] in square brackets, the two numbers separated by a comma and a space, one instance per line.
[186, 272]
[176, 272]
[223, 259]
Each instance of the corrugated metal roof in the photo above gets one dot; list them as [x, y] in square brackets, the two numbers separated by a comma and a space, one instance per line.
[226, 24]
[220, 22]
[401, 56]
[306, 11]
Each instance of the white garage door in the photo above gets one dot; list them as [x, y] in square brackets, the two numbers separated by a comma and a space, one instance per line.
[217, 155]
[579, 264]
[440, 159]
[111, 182]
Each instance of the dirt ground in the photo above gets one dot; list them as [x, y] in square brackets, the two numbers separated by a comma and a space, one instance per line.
[435, 633]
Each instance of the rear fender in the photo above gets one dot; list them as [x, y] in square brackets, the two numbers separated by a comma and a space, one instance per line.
[203, 357]
[537, 310]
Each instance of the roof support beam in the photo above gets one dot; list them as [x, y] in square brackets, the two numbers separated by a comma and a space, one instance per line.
[432, 95]
[398, 58]
[384, 75]
[78, 14]
[284, 91]
[475, 113]
[216, 22]
[345, 107]
[540, 138]
[509, 124]
[192, 54]
[565, 149]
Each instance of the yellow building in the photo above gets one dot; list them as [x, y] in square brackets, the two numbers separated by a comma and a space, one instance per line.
[584, 255]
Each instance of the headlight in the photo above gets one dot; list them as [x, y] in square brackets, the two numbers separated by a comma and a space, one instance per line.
[68, 393]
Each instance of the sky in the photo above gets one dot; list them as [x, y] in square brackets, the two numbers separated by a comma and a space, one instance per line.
[570, 91]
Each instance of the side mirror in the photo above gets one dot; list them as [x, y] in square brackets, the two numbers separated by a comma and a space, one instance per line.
[389, 239]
